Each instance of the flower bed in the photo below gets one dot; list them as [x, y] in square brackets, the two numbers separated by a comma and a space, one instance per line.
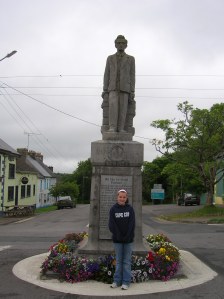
[161, 263]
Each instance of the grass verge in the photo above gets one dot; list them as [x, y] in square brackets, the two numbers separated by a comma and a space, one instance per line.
[212, 214]
[45, 209]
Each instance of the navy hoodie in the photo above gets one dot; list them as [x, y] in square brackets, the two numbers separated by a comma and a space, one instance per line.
[122, 223]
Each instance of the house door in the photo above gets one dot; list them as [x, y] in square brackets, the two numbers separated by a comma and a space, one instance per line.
[16, 195]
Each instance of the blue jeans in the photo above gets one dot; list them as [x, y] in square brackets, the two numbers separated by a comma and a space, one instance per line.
[123, 253]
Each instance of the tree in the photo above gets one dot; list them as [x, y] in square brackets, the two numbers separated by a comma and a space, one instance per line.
[82, 175]
[182, 179]
[152, 173]
[65, 188]
[197, 141]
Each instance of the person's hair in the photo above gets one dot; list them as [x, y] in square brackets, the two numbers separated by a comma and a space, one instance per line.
[122, 190]
[121, 38]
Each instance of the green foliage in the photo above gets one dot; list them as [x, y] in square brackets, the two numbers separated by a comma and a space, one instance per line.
[152, 173]
[212, 214]
[82, 175]
[197, 141]
[182, 178]
[45, 209]
[65, 188]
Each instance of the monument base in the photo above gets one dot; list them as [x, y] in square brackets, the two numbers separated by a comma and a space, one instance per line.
[116, 165]
[126, 136]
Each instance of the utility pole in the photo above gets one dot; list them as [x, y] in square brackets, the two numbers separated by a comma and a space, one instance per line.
[28, 135]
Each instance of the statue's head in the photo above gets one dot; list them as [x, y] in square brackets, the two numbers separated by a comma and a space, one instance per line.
[121, 42]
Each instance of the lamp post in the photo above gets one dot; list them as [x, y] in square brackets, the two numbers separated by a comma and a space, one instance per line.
[9, 55]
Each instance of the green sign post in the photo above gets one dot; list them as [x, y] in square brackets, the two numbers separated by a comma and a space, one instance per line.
[157, 194]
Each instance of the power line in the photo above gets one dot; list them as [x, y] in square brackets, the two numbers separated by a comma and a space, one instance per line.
[92, 75]
[11, 115]
[137, 96]
[40, 133]
[49, 106]
[65, 112]
[94, 87]
[19, 114]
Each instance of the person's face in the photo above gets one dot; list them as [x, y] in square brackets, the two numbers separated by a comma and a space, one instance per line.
[121, 46]
[121, 198]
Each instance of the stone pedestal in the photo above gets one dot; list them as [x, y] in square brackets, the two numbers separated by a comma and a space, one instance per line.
[116, 165]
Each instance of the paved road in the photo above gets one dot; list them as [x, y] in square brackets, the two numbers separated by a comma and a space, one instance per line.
[34, 236]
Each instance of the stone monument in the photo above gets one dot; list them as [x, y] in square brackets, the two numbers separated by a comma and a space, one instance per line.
[116, 159]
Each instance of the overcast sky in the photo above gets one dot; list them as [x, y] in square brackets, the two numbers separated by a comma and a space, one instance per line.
[57, 74]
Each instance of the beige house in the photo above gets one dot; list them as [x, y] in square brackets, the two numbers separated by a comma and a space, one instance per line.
[18, 183]
[45, 176]
[24, 178]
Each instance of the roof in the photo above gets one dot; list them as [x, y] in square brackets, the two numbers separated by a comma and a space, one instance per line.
[47, 169]
[37, 165]
[7, 149]
[23, 166]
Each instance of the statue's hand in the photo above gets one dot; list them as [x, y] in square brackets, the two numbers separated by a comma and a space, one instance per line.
[104, 94]
[131, 96]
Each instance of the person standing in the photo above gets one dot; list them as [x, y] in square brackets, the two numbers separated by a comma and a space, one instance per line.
[119, 85]
[122, 227]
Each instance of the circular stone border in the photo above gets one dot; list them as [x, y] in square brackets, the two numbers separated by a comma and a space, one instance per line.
[194, 273]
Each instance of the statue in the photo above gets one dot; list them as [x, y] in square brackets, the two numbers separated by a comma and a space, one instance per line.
[119, 90]
[116, 159]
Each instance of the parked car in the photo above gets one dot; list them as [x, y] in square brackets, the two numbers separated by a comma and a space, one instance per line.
[188, 199]
[65, 202]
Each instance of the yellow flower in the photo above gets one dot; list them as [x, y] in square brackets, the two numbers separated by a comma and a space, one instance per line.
[162, 251]
[167, 258]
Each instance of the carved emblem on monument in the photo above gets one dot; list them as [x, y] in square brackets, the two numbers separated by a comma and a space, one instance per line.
[116, 153]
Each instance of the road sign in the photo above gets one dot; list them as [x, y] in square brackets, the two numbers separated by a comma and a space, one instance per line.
[157, 194]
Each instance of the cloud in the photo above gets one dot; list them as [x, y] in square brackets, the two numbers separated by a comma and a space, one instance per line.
[62, 49]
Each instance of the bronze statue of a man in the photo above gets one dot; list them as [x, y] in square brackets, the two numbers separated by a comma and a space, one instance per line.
[119, 85]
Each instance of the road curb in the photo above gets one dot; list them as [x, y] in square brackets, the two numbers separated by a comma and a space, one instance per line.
[193, 271]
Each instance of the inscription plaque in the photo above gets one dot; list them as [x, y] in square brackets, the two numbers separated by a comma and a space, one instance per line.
[110, 184]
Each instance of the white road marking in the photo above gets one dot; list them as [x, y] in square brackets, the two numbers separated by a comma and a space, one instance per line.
[24, 220]
[5, 247]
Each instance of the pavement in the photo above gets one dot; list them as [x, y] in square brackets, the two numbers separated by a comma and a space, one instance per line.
[192, 272]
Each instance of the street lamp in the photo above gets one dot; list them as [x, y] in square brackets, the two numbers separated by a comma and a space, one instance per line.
[9, 55]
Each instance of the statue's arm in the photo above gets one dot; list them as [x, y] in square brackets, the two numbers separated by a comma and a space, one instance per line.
[132, 75]
[106, 76]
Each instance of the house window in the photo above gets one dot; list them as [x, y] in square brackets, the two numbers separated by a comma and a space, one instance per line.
[23, 191]
[10, 193]
[11, 171]
[34, 190]
[28, 191]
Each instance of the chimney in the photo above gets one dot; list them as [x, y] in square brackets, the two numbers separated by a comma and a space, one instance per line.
[22, 151]
[36, 156]
[40, 157]
[51, 168]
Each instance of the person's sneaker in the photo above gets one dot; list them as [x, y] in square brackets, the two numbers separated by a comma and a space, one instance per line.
[114, 285]
[124, 287]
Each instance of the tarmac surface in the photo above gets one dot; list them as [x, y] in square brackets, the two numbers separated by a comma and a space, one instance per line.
[193, 272]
